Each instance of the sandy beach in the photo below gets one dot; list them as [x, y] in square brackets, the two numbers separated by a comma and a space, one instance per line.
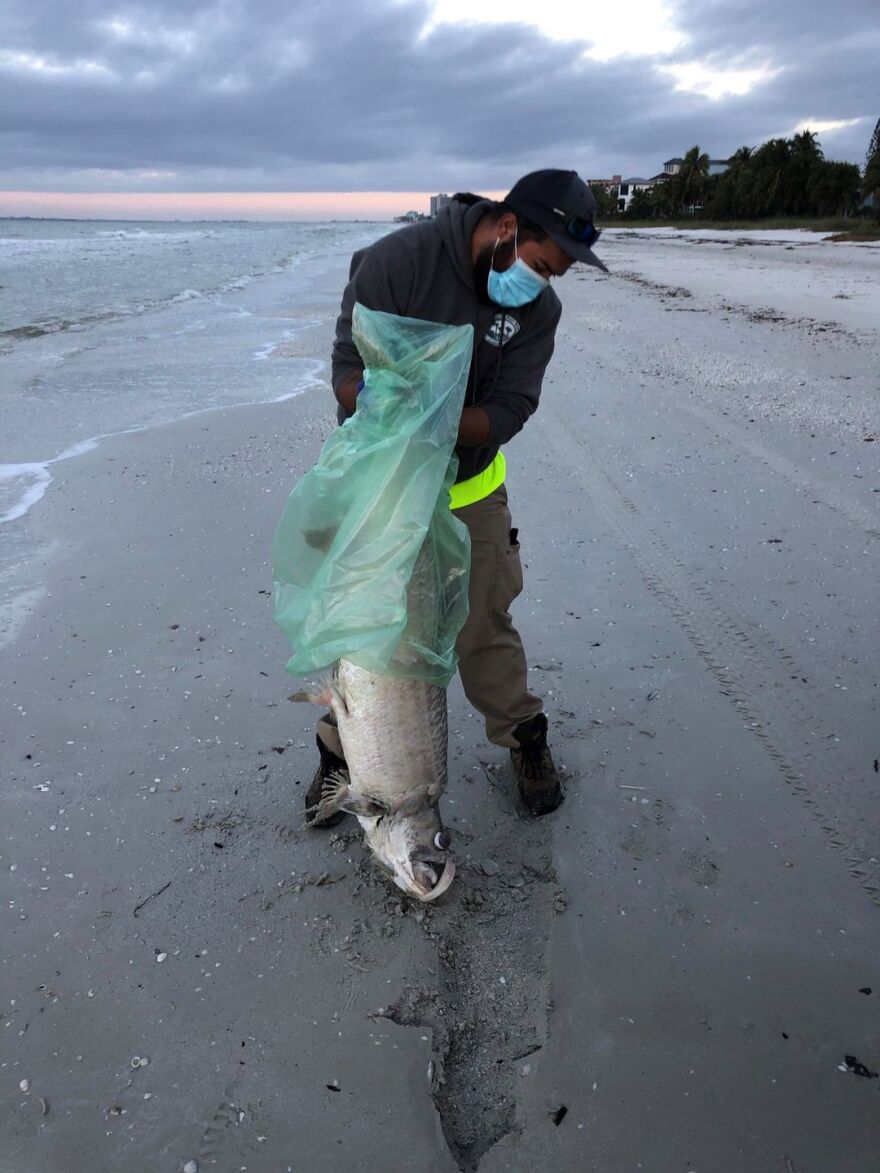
[677, 971]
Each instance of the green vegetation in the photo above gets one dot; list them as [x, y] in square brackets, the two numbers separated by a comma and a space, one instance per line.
[871, 181]
[866, 233]
[786, 182]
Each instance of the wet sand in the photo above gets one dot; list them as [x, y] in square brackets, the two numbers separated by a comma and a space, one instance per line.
[678, 970]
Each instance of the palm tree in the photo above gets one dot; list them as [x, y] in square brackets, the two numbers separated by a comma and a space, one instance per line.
[728, 192]
[640, 206]
[693, 176]
[804, 161]
[834, 189]
[770, 162]
[871, 182]
[806, 146]
[664, 196]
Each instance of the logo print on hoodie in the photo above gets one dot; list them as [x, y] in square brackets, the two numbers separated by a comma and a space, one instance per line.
[511, 328]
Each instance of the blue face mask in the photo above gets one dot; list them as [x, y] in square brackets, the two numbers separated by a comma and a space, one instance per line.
[517, 285]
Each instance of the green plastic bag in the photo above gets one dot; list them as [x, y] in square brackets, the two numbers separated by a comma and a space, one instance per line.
[369, 562]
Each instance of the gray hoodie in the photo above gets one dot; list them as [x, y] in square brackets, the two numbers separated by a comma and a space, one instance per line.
[425, 271]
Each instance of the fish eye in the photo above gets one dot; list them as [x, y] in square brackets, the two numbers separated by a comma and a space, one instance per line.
[443, 839]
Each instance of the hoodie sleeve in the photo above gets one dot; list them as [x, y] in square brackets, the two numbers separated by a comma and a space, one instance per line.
[380, 278]
[518, 389]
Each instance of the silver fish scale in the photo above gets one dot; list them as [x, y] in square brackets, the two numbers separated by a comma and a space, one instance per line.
[393, 732]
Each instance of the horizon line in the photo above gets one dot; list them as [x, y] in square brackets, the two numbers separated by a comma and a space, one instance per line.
[275, 206]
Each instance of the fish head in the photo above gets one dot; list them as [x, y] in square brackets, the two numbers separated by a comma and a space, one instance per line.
[415, 848]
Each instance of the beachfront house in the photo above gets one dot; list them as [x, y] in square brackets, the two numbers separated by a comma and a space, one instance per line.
[609, 184]
[628, 188]
[624, 189]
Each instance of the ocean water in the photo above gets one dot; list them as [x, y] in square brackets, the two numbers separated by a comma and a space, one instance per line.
[107, 327]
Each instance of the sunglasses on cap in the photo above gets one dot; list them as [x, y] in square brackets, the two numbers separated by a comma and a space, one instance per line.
[583, 231]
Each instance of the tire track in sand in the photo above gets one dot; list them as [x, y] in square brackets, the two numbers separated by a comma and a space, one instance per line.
[761, 679]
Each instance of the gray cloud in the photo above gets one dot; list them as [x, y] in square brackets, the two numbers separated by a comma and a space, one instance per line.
[316, 96]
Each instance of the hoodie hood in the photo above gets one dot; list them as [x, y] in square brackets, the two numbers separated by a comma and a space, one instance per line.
[456, 223]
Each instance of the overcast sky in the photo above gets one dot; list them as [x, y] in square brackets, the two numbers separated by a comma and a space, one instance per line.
[413, 95]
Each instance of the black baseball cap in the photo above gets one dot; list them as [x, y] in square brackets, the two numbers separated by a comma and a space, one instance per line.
[562, 204]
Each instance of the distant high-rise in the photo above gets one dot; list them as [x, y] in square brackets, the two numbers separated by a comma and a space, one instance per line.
[438, 202]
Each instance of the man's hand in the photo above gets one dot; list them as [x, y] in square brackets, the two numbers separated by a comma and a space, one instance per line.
[473, 430]
[347, 392]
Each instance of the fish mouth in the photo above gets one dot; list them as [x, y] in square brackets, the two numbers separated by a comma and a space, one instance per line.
[438, 877]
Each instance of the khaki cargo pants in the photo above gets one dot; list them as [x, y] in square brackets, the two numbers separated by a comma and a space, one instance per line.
[491, 660]
[492, 663]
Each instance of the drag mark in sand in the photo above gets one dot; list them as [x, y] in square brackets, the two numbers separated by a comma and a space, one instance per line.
[760, 678]
[490, 1009]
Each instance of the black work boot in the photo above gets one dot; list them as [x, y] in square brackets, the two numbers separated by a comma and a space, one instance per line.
[538, 780]
[331, 764]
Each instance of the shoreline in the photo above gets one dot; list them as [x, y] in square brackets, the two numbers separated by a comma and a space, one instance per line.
[37, 469]
[293, 362]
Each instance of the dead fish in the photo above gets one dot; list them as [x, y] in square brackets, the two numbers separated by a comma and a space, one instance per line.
[394, 736]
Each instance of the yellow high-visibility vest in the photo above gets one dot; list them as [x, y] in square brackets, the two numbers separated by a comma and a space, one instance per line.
[476, 488]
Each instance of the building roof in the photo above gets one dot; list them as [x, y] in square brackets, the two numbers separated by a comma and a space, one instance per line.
[678, 159]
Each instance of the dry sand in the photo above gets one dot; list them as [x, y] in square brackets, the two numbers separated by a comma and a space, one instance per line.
[677, 971]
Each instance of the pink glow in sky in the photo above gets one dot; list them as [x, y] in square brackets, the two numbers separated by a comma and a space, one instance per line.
[361, 205]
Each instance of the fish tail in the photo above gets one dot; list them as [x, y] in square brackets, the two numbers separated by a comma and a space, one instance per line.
[334, 792]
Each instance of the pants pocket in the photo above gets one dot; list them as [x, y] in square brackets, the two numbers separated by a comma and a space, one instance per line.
[509, 576]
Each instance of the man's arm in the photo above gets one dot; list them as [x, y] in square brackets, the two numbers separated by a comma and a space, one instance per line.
[347, 390]
[380, 278]
[473, 431]
[518, 388]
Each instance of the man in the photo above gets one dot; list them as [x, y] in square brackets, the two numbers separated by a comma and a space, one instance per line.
[490, 265]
